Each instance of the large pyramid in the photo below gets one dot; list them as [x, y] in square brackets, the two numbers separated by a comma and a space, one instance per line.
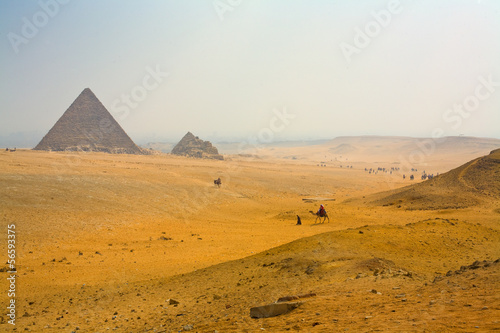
[193, 146]
[88, 126]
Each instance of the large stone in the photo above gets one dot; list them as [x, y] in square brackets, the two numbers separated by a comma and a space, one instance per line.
[272, 310]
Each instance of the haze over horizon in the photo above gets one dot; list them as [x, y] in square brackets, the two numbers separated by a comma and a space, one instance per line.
[272, 71]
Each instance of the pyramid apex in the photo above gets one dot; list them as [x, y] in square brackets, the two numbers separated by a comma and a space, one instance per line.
[188, 135]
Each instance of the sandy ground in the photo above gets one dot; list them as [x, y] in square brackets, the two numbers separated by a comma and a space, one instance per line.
[102, 241]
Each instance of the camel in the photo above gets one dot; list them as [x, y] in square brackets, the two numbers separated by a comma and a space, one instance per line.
[218, 182]
[318, 216]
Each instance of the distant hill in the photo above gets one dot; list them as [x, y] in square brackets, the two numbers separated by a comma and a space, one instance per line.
[462, 187]
[435, 154]
[193, 146]
[373, 145]
[343, 148]
[87, 126]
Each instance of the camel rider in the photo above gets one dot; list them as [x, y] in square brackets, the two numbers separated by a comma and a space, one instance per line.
[321, 211]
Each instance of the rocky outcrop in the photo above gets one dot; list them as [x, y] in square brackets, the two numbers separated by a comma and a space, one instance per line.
[193, 146]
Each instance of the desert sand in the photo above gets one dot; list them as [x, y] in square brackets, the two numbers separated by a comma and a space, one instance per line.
[106, 242]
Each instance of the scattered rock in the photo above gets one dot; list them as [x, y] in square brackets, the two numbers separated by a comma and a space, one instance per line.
[188, 327]
[171, 302]
[475, 265]
[310, 270]
[438, 278]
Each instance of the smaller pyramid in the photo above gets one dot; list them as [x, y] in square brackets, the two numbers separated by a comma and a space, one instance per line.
[87, 126]
[193, 146]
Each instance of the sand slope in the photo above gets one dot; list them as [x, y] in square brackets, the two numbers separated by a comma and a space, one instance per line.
[468, 185]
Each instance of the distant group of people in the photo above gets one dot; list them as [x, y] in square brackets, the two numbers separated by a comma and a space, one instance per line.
[394, 169]
[423, 177]
[380, 169]
[428, 176]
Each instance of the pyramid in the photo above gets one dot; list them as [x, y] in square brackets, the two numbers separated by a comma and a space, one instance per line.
[193, 146]
[88, 126]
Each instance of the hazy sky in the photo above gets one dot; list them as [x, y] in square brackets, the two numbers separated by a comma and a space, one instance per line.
[261, 69]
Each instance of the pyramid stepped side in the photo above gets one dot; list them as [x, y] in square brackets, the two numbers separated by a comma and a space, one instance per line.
[193, 146]
[88, 126]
